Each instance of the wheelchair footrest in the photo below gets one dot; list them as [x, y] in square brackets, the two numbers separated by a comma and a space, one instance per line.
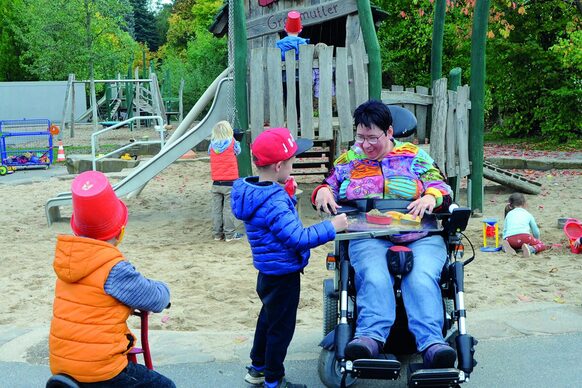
[445, 377]
[385, 368]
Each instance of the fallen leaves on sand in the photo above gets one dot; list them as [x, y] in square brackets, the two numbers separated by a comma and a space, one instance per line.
[524, 298]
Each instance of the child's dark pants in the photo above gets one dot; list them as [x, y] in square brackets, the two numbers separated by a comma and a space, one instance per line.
[135, 375]
[276, 322]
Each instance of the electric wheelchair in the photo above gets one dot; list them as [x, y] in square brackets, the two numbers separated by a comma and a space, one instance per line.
[340, 304]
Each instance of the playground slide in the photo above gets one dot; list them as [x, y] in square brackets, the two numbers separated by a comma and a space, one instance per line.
[169, 154]
[510, 179]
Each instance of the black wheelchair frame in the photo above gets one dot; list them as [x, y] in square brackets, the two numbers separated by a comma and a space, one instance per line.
[340, 315]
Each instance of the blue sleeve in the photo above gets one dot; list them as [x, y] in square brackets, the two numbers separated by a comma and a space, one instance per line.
[131, 288]
[287, 227]
[236, 147]
[535, 231]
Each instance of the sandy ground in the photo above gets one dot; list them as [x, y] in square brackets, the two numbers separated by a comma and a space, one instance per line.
[213, 283]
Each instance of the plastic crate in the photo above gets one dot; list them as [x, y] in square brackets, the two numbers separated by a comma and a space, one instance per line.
[26, 143]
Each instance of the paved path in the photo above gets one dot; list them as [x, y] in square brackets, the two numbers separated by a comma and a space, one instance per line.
[529, 344]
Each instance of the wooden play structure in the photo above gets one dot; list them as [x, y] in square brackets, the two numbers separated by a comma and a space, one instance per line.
[123, 99]
[343, 65]
[348, 28]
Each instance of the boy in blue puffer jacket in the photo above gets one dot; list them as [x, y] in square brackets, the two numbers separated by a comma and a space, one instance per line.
[280, 246]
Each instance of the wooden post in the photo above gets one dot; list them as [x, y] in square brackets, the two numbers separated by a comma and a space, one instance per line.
[291, 103]
[439, 119]
[454, 84]
[72, 122]
[477, 115]
[240, 86]
[257, 89]
[372, 48]
[181, 100]
[138, 98]
[94, 107]
[438, 31]
[67, 97]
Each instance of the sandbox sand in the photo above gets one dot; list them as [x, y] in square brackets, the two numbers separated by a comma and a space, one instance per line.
[213, 282]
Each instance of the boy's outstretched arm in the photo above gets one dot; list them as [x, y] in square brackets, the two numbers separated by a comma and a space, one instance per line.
[127, 285]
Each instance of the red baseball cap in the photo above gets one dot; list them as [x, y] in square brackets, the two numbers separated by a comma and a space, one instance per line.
[276, 145]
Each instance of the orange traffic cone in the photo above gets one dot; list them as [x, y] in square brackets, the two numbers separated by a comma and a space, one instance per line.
[61, 153]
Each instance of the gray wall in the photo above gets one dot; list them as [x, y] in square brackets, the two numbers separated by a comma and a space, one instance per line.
[38, 100]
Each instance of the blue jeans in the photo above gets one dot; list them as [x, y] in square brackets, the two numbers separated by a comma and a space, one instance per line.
[420, 290]
[135, 375]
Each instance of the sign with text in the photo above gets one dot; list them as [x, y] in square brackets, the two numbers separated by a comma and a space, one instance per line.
[315, 14]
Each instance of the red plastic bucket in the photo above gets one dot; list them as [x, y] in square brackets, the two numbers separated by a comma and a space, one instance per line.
[573, 230]
[97, 212]
[293, 23]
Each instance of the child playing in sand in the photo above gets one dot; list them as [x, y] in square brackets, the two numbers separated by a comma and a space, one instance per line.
[96, 291]
[223, 150]
[280, 246]
[520, 229]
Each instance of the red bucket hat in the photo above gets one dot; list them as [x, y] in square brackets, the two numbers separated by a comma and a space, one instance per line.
[97, 212]
[293, 22]
[276, 145]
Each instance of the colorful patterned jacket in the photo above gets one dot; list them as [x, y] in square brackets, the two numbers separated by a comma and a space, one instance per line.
[408, 173]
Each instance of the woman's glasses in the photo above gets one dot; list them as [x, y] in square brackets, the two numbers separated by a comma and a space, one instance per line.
[371, 139]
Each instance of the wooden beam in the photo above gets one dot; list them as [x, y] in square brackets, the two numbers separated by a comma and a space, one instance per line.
[315, 14]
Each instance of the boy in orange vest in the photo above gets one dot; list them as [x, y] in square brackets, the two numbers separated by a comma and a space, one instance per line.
[96, 291]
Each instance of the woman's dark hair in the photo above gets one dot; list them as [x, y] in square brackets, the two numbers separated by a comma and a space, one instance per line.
[515, 200]
[373, 112]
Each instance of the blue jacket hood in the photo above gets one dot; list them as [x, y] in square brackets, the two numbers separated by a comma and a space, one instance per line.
[279, 242]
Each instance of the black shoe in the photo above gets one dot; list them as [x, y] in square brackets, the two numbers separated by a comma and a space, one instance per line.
[438, 356]
[254, 376]
[362, 347]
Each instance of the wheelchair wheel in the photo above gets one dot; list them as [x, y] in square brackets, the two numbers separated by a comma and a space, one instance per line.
[330, 307]
[329, 371]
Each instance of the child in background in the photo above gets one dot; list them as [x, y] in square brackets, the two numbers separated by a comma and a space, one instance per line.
[280, 247]
[520, 229]
[96, 291]
[223, 150]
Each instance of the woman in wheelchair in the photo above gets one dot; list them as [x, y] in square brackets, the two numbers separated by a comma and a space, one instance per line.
[380, 167]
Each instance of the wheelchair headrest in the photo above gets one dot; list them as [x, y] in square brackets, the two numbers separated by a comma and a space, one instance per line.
[403, 121]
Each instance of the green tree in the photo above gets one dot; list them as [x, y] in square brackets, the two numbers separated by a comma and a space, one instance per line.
[86, 37]
[10, 46]
[191, 51]
[144, 24]
[536, 78]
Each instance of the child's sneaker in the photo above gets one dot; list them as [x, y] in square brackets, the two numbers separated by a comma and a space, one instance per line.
[218, 238]
[235, 236]
[255, 376]
[527, 250]
[283, 383]
[507, 248]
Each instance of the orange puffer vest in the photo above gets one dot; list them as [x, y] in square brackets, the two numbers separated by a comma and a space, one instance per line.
[224, 166]
[89, 337]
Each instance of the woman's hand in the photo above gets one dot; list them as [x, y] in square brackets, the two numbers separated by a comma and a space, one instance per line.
[325, 201]
[424, 204]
